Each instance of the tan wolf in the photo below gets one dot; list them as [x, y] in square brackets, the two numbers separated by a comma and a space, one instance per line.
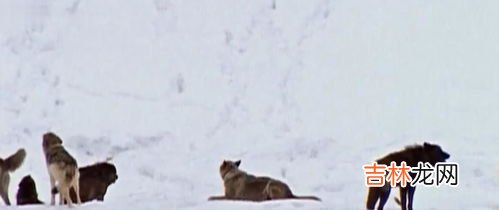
[62, 168]
[240, 185]
[429, 153]
[8, 165]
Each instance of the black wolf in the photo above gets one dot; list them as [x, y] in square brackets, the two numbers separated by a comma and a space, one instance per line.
[426, 153]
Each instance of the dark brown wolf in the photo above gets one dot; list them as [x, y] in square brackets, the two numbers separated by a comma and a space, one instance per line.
[426, 153]
[27, 194]
[8, 165]
[94, 181]
[240, 185]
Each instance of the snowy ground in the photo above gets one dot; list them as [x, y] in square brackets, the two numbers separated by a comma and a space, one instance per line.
[306, 92]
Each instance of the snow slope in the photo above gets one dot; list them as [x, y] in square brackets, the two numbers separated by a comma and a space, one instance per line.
[306, 92]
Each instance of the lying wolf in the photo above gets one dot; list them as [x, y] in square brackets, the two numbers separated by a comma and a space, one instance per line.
[8, 165]
[240, 185]
[427, 153]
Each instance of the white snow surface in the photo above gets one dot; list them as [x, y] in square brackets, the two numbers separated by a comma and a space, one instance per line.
[302, 91]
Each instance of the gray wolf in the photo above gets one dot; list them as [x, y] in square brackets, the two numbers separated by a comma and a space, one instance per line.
[27, 194]
[8, 165]
[94, 181]
[430, 153]
[62, 168]
[240, 185]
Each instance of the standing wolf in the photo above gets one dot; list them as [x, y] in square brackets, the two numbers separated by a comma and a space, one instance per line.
[430, 153]
[62, 168]
[240, 185]
[10, 164]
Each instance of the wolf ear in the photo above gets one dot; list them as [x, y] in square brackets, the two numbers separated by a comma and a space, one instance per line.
[108, 159]
[426, 144]
[237, 163]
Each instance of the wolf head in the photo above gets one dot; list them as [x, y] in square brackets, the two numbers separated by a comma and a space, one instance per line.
[434, 153]
[104, 171]
[228, 166]
[50, 140]
[27, 183]
[109, 173]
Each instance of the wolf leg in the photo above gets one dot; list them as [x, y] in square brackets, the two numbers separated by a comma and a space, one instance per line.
[384, 194]
[410, 196]
[61, 198]
[273, 191]
[77, 189]
[372, 197]
[64, 191]
[4, 191]
[5, 198]
[403, 198]
[52, 185]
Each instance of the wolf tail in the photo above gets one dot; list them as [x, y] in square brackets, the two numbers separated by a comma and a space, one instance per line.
[397, 200]
[315, 198]
[15, 161]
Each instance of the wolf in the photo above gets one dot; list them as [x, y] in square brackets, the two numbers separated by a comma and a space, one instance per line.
[27, 194]
[430, 153]
[94, 181]
[240, 185]
[62, 168]
[8, 165]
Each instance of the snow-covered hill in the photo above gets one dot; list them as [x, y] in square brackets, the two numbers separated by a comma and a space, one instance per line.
[306, 92]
